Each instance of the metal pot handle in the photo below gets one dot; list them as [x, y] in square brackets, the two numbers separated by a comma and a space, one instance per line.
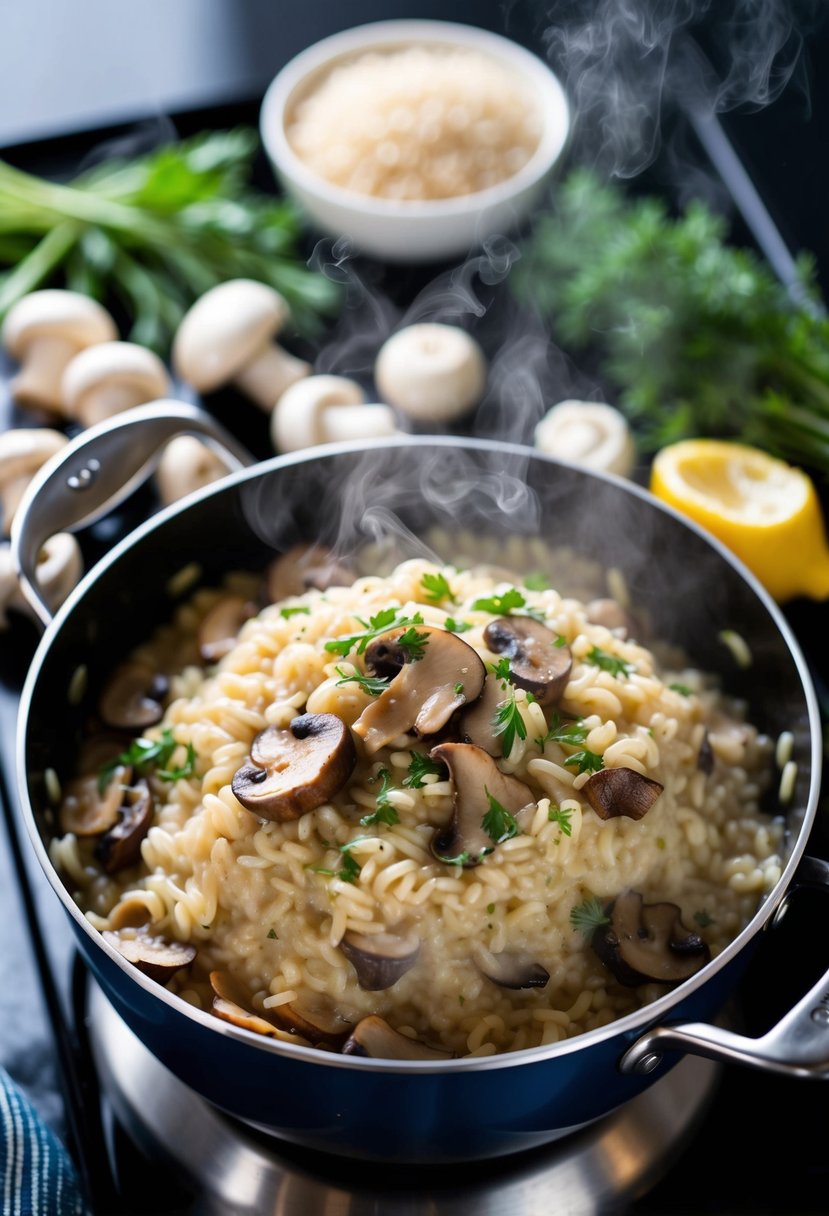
[99, 469]
[797, 1046]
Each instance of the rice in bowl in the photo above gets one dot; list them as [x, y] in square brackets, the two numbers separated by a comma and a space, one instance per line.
[505, 944]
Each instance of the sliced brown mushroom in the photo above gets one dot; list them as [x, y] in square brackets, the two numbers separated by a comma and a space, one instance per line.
[305, 566]
[537, 663]
[612, 615]
[220, 626]
[475, 778]
[621, 791]
[705, 758]
[120, 847]
[380, 959]
[424, 694]
[296, 770]
[229, 1004]
[130, 913]
[155, 956]
[372, 1036]
[89, 810]
[132, 696]
[313, 1017]
[508, 969]
[476, 722]
[648, 942]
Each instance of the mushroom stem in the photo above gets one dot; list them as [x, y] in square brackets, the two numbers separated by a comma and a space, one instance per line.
[344, 422]
[107, 400]
[267, 375]
[39, 380]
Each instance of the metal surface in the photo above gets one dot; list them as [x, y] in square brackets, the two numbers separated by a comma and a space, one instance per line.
[230, 1169]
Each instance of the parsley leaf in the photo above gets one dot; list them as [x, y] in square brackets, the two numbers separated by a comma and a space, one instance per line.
[536, 581]
[186, 770]
[508, 723]
[373, 684]
[389, 618]
[413, 643]
[562, 818]
[350, 868]
[300, 609]
[455, 626]
[385, 812]
[501, 605]
[563, 732]
[609, 662]
[501, 670]
[703, 919]
[498, 823]
[437, 589]
[682, 689]
[272, 934]
[587, 917]
[144, 754]
[585, 761]
[419, 767]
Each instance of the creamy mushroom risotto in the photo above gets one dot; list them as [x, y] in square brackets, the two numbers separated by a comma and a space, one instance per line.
[427, 814]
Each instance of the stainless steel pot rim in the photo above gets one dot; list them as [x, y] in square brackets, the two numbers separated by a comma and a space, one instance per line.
[628, 1026]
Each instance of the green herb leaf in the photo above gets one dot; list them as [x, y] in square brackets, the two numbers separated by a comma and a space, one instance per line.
[142, 755]
[298, 610]
[562, 818]
[571, 733]
[608, 662]
[178, 774]
[682, 689]
[498, 823]
[455, 626]
[703, 919]
[272, 934]
[371, 684]
[507, 722]
[585, 761]
[588, 916]
[490, 908]
[536, 581]
[385, 812]
[413, 643]
[507, 602]
[421, 766]
[383, 622]
[437, 589]
[501, 670]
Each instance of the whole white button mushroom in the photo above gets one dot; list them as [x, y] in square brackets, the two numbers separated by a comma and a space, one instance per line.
[431, 372]
[44, 331]
[186, 465]
[59, 569]
[23, 451]
[227, 337]
[587, 433]
[326, 409]
[110, 377]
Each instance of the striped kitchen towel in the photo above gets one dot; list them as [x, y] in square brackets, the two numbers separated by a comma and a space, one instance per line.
[37, 1176]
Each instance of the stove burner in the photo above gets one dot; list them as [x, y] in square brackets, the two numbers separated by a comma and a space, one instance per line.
[229, 1168]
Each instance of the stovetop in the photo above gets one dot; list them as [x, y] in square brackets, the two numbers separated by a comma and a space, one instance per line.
[759, 1144]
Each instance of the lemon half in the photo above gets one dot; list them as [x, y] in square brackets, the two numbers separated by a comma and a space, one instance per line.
[765, 511]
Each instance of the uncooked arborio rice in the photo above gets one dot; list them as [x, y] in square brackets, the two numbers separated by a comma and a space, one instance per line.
[258, 899]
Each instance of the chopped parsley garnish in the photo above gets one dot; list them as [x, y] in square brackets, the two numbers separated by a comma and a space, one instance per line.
[385, 812]
[562, 818]
[563, 732]
[560, 642]
[300, 609]
[661, 843]
[437, 588]
[389, 618]
[455, 626]
[508, 723]
[413, 643]
[461, 859]
[609, 662]
[350, 868]
[373, 684]
[587, 917]
[145, 754]
[536, 581]
[419, 767]
[508, 603]
[490, 908]
[272, 934]
[585, 761]
[458, 689]
[703, 919]
[498, 823]
[501, 670]
[682, 689]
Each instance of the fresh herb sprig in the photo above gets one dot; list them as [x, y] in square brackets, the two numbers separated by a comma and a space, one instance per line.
[608, 662]
[151, 233]
[507, 722]
[507, 603]
[572, 733]
[437, 589]
[150, 755]
[385, 811]
[499, 823]
[692, 334]
[587, 917]
[350, 869]
[585, 761]
[421, 766]
[381, 622]
[563, 818]
[370, 684]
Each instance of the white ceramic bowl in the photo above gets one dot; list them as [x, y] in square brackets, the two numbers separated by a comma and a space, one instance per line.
[409, 231]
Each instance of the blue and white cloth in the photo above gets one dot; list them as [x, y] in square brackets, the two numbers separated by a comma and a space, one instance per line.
[37, 1175]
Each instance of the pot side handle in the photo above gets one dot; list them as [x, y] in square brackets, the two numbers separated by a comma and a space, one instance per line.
[797, 1046]
[99, 469]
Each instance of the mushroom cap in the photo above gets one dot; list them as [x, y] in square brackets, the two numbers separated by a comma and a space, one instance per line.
[131, 697]
[537, 662]
[155, 956]
[23, 451]
[304, 566]
[293, 771]
[621, 791]
[186, 465]
[124, 366]
[644, 942]
[297, 418]
[374, 1037]
[431, 372]
[475, 778]
[587, 433]
[67, 314]
[224, 329]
